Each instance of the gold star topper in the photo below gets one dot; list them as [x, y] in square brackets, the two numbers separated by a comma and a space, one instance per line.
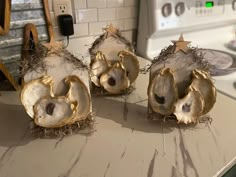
[111, 31]
[181, 45]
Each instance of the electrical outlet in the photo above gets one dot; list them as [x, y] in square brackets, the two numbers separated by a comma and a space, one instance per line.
[61, 7]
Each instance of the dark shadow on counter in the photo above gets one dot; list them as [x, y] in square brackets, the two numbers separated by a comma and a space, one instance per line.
[134, 116]
[14, 126]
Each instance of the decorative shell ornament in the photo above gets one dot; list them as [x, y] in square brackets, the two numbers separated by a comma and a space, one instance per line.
[180, 85]
[56, 90]
[112, 55]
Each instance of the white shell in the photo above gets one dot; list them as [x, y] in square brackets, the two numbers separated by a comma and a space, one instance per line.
[58, 115]
[78, 92]
[115, 79]
[189, 108]
[162, 92]
[35, 90]
[131, 64]
[98, 67]
[202, 83]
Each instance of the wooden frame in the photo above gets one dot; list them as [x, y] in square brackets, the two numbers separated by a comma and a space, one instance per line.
[9, 76]
[52, 45]
[5, 16]
[30, 34]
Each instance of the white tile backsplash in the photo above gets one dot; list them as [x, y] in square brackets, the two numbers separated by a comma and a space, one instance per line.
[90, 16]
[79, 4]
[126, 12]
[87, 15]
[96, 28]
[115, 3]
[131, 2]
[106, 14]
[130, 24]
[96, 3]
[81, 29]
[57, 33]
[117, 23]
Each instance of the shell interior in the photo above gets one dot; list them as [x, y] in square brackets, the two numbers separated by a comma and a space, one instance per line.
[54, 112]
[98, 67]
[131, 64]
[115, 79]
[202, 83]
[162, 92]
[35, 90]
[78, 92]
[189, 108]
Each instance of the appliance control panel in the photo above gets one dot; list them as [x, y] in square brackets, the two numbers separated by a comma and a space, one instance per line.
[174, 14]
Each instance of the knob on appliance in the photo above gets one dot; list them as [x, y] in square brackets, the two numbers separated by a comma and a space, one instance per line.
[179, 9]
[166, 9]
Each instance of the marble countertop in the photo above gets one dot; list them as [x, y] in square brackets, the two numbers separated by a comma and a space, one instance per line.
[124, 143]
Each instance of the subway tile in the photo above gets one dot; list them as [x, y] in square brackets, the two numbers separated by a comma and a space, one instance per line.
[134, 12]
[79, 4]
[86, 15]
[107, 14]
[74, 15]
[81, 29]
[115, 3]
[126, 12]
[131, 2]
[96, 3]
[76, 19]
[130, 24]
[117, 24]
[97, 28]
[57, 34]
